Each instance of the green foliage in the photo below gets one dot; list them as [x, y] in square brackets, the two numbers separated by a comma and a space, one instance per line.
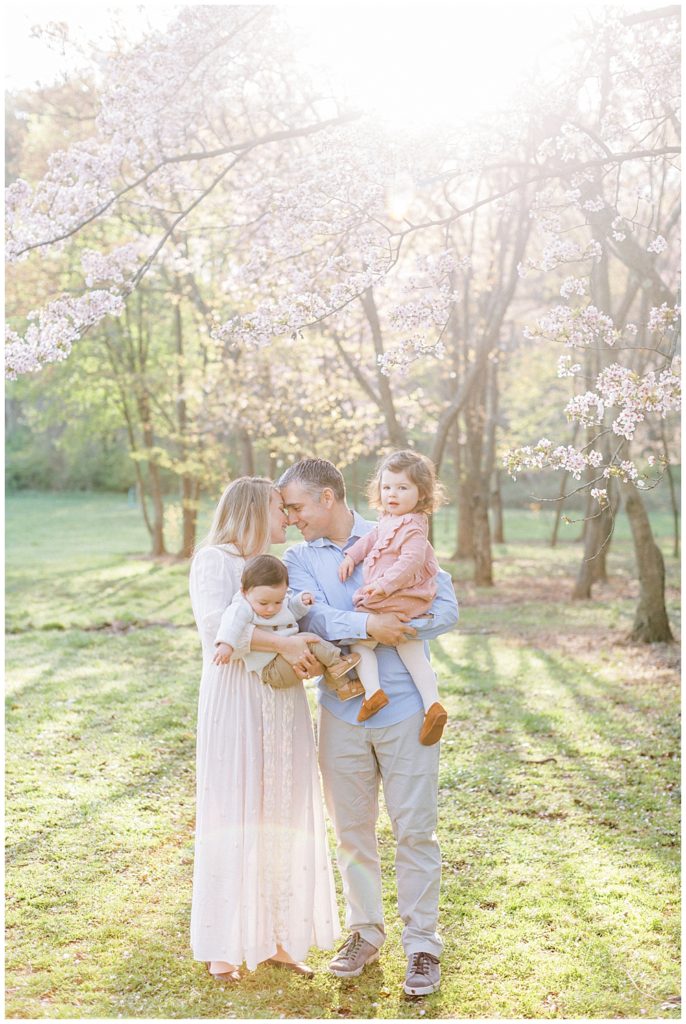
[74, 460]
[28, 464]
[63, 432]
[558, 794]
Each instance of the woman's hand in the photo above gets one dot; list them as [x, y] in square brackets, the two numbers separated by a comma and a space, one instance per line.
[297, 653]
[223, 654]
[346, 568]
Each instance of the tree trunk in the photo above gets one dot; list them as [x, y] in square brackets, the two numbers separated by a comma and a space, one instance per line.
[672, 492]
[651, 624]
[560, 503]
[599, 564]
[247, 453]
[396, 433]
[133, 451]
[190, 492]
[559, 506]
[465, 524]
[605, 530]
[478, 475]
[584, 578]
[497, 506]
[189, 510]
[158, 545]
[463, 540]
[483, 561]
[490, 471]
[675, 510]
[460, 539]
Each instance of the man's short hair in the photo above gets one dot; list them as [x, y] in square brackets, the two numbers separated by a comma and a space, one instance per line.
[315, 475]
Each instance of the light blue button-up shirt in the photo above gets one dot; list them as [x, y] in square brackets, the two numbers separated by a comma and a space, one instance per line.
[313, 566]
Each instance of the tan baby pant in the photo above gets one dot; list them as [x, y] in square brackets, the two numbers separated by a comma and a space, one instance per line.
[279, 673]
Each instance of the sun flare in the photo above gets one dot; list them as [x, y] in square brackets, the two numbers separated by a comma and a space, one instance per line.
[422, 65]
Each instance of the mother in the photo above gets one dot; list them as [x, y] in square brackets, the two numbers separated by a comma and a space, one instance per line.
[262, 884]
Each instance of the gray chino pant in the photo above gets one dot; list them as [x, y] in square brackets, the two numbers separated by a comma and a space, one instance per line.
[353, 760]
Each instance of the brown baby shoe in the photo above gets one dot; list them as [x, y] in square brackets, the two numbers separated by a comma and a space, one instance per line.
[369, 707]
[343, 666]
[347, 688]
[433, 725]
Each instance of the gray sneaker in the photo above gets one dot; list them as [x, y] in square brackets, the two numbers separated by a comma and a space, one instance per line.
[423, 975]
[353, 957]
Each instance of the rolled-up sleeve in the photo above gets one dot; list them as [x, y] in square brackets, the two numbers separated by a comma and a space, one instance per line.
[444, 610]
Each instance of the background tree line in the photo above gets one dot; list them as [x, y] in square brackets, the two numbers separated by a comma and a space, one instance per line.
[479, 238]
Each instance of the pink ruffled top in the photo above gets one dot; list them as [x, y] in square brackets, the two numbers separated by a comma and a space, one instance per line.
[398, 555]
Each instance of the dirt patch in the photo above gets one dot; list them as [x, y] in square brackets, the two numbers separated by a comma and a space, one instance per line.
[121, 626]
[547, 589]
[648, 665]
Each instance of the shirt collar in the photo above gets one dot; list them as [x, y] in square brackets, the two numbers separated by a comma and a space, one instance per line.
[360, 528]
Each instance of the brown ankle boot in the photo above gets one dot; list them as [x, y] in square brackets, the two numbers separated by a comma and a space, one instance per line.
[369, 707]
[433, 725]
[343, 666]
[347, 688]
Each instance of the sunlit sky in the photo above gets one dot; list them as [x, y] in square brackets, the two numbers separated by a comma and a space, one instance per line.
[421, 63]
[410, 63]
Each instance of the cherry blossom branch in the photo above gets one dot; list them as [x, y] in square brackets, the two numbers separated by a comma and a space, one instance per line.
[143, 269]
[238, 147]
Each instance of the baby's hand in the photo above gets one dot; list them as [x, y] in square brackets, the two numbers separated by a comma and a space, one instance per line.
[346, 568]
[223, 654]
[372, 590]
[307, 598]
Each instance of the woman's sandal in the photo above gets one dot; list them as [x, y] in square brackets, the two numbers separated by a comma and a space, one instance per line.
[292, 965]
[225, 976]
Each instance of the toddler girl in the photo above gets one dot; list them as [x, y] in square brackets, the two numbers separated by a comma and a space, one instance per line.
[399, 575]
[261, 601]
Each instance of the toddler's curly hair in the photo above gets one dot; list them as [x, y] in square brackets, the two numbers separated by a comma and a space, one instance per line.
[420, 470]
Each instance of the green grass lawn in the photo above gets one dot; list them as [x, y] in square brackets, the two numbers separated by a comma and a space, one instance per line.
[558, 792]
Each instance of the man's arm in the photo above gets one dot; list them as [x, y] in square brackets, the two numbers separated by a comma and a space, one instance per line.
[327, 622]
[343, 625]
[444, 610]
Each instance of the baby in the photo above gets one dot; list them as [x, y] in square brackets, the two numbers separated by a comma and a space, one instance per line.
[261, 601]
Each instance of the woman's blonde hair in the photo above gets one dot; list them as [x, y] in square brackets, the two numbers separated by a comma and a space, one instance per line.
[242, 516]
[420, 470]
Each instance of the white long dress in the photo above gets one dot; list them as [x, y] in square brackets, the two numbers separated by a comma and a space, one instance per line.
[262, 873]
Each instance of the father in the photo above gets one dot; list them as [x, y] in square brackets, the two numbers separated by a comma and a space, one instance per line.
[354, 756]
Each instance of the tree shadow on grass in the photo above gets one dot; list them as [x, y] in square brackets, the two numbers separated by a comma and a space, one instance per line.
[586, 813]
[111, 589]
[499, 715]
[97, 718]
[622, 727]
[537, 915]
